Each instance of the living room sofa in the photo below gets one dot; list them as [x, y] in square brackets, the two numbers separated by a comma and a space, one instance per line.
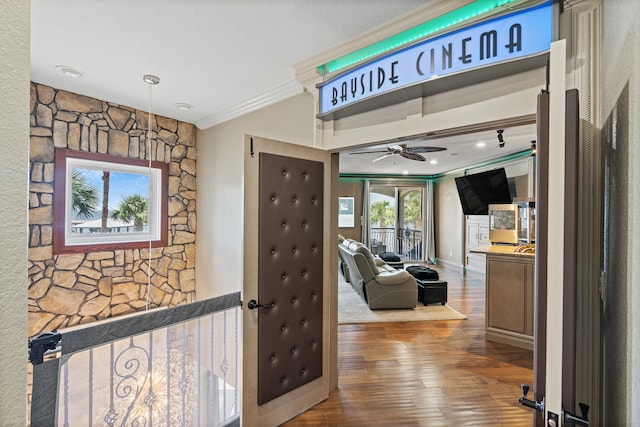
[378, 284]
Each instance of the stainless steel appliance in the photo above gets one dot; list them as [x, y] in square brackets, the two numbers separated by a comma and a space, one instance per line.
[527, 225]
[512, 223]
[503, 223]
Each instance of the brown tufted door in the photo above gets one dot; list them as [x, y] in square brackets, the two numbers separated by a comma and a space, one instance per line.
[289, 345]
[290, 274]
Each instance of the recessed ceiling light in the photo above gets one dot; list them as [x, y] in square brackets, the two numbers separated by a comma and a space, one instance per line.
[70, 71]
[433, 161]
[183, 106]
[405, 172]
[481, 144]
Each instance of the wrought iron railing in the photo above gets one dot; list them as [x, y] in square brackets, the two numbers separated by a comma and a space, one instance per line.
[407, 243]
[382, 239]
[170, 367]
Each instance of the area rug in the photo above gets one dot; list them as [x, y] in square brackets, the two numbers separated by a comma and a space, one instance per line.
[352, 309]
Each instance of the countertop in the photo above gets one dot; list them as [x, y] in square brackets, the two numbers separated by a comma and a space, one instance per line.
[505, 250]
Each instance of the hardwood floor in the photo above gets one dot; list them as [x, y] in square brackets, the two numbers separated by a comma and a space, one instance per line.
[435, 373]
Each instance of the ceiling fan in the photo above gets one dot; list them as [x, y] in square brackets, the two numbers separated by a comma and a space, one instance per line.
[411, 153]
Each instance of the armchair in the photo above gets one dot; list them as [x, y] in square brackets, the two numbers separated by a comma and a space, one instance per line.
[378, 284]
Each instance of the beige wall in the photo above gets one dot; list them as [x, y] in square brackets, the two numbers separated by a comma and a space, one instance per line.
[220, 183]
[14, 167]
[449, 220]
[352, 188]
[620, 66]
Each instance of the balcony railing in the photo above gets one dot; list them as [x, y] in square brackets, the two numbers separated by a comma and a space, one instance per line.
[407, 243]
[170, 367]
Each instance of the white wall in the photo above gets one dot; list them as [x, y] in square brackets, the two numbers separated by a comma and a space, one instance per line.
[14, 169]
[220, 187]
[620, 65]
[449, 224]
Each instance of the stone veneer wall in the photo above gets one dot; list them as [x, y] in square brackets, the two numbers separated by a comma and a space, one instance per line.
[66, 290]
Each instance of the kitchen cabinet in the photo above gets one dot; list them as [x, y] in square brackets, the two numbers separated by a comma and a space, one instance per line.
[477, 235]
[509, 298]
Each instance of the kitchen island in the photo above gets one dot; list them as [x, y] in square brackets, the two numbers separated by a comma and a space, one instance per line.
[509, 294]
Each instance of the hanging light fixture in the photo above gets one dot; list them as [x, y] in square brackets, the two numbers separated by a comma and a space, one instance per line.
[151, 81]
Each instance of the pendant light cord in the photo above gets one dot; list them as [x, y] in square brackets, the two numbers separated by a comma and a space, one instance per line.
[149, 155]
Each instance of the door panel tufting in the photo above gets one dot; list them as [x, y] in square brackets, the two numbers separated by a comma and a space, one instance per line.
[290, 274]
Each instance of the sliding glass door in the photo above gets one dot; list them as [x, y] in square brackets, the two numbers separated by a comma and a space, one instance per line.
[396, 220]
[410, 222]
[382, 219]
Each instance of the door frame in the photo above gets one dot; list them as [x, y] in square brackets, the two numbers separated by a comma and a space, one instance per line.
[556, 231]
[296, 401]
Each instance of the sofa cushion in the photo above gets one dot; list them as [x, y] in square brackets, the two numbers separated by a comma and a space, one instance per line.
[362, 249]
[346, 242]
[386, 267]
[393, 278]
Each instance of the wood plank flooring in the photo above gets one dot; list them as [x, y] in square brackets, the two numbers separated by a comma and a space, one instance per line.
[435, 373]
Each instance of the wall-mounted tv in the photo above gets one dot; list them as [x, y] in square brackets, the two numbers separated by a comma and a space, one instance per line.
[479, 190]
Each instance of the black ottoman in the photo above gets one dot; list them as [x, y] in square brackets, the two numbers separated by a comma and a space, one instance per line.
[430, 291]
[421, 272]
[392, 260]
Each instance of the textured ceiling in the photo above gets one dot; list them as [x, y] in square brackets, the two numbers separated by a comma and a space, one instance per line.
[220, 56]
[212, 54]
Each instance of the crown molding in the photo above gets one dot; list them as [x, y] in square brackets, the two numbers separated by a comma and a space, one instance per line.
[277, 94]
[307, 67]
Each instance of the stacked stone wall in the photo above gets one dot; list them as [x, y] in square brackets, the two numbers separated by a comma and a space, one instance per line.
[66, 290]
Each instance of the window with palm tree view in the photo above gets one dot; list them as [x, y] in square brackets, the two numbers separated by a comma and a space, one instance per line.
[107, 201]
[396, 220]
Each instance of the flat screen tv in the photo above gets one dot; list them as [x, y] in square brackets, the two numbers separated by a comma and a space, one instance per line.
[479, 190]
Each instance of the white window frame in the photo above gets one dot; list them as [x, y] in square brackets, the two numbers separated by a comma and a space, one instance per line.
[67, 242]
[153, 226]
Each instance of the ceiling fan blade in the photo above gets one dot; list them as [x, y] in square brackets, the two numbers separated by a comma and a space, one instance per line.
[369, 152]
[425, 149]
[384, 156]
[412, 156]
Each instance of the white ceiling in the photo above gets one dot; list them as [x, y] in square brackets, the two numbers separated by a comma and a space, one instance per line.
[222, 57]
[212, 54]
[461, 152]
